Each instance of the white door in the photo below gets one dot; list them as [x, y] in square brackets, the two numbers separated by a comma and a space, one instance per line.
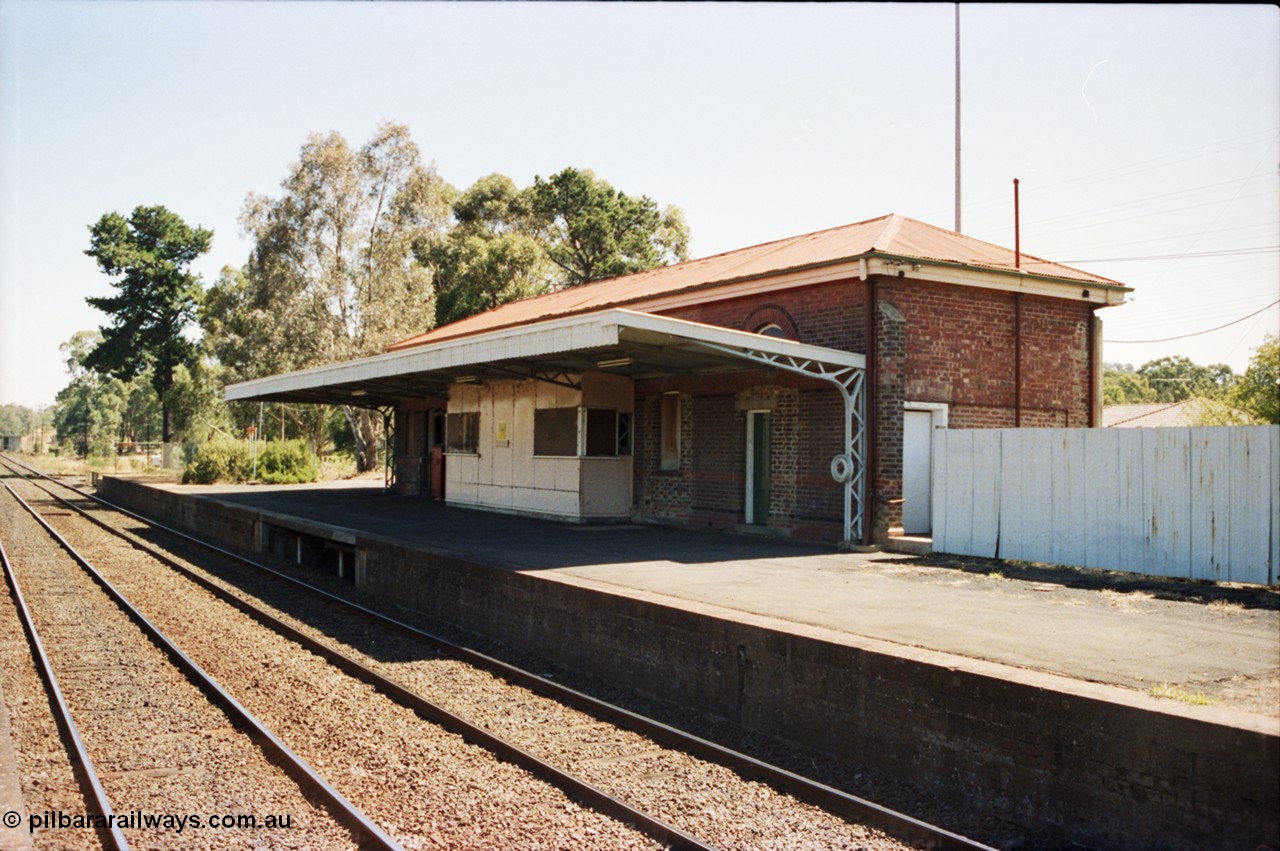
[917, 474]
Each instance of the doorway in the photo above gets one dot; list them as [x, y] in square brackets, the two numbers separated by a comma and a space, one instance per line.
[759, 465]
[918, 422]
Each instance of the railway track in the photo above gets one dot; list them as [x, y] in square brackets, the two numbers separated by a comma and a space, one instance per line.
[611, 759]
[150, 716]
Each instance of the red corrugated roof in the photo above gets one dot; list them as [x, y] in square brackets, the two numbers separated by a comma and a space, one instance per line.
[893, 235]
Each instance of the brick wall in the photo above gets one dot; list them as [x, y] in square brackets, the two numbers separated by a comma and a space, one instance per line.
[935, 343]
[708, 491]
[890, 377]
[661, 496]
[823, 315]
[960, 350]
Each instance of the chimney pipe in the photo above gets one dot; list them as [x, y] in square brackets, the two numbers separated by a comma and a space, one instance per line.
[1017, 229]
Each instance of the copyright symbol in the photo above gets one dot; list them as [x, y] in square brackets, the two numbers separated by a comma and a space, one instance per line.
[12, 819]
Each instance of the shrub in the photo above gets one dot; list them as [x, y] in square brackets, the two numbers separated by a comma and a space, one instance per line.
[283, 462]
[218, 460]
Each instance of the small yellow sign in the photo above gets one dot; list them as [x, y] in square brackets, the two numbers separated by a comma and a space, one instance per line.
[504, 432]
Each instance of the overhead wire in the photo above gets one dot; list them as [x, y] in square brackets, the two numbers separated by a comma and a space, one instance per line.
[1184, 155]
[1200, 333]
[1226, 252]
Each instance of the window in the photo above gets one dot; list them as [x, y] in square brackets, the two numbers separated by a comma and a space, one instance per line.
[624, 432]
[555, 431]
[462, 433]
[670, 427]
[773, 329]
[601, 432]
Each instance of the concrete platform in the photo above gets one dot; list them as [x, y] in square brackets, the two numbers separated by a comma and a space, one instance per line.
[913, 663]
[1094, 635]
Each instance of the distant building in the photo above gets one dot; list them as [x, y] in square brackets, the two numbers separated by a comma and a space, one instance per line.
[789, 388]
[1158, 415]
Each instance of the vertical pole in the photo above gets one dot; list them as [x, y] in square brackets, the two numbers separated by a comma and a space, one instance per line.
[1017, 360]
[1017, 229]
[871, 429]
[957, 117]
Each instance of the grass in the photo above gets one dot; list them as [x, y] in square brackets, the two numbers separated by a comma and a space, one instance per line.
[1226, 606]
[1168, 692]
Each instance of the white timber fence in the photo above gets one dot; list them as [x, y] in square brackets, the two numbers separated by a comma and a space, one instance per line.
[1194, 503]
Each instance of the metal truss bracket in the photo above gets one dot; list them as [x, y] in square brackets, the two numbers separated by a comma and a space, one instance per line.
[849, 380]
[557, 377]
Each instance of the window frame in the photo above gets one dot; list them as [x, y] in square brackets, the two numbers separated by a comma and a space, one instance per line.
[669, 449]
[467, 441]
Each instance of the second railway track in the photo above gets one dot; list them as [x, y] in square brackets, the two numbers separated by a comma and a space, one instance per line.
[165, 757]
[724, 799]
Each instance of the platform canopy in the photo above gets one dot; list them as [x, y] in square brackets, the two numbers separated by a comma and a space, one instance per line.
[619, 341]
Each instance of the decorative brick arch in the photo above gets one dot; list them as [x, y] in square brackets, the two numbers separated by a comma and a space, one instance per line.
[771, 314]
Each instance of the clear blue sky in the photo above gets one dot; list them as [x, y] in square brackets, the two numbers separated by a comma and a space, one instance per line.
[1137, 132]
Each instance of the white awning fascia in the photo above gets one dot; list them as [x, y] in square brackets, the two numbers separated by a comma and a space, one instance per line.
[567, 334]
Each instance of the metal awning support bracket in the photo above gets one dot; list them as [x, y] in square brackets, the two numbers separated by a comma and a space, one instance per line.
[849, 380]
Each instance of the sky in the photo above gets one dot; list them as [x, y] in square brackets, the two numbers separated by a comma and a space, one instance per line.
[1146, 138]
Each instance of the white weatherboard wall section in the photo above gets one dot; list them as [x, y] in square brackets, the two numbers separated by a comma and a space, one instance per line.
[1193, 503]
[511, 479]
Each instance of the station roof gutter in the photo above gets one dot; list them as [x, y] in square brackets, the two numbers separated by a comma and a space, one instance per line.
[617, 341]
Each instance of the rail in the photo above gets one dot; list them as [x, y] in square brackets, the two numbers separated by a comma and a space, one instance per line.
[899, 825]
[367, 833]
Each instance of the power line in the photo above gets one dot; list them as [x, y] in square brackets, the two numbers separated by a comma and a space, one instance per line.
[1173, 158]
[1226, 252]
[1198, 333]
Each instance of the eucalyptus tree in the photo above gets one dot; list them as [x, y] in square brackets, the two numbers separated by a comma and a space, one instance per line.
[508, 243]
[593, 231]
[332, 274]
[147, 255]
[493, 254]
[1259, 389]
[88, 413]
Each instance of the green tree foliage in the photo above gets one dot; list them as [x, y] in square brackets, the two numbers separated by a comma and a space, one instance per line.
[18, 420]
[1258, 391]
[492, 255]
[1176, 378]
[1122, 385]
[196, 404]
[218, 460]
[1217, 412]
[89, 411]
[593, 231]
[277, 462]
[332, 275]
[147, 256]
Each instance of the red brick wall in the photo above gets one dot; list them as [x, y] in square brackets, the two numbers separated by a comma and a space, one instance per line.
[958, 349]
[708, 491]
[823, 315]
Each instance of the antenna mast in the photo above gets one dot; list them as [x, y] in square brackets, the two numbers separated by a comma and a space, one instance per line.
[957, 117]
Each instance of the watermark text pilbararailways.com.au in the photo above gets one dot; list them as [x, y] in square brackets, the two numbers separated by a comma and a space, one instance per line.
[139, 820]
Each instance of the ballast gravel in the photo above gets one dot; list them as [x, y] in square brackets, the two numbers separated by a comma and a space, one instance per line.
[708, 801]
[424, 786]
[160, 748]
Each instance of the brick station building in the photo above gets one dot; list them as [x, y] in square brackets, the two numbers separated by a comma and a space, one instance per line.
[789, 388]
